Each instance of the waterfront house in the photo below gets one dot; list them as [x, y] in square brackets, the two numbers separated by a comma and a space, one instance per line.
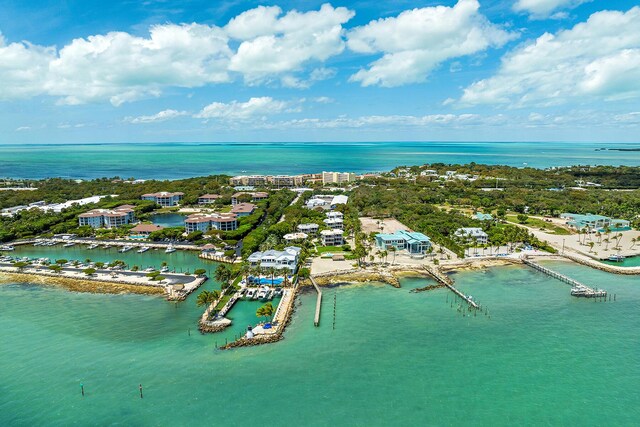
[206, 222]
[595, 222]
[309, 228]
[332, 237]
[411, 241]
[293, 237]
[334, 220]
[207, 199]
[164, 199]
[108, 218]
[288, 258]
[469, 234]
[145, 229]
[327, 201]
[243, 209]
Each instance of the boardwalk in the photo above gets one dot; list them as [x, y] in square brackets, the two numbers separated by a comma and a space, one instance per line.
[316, 319]
[577, 289]
[448, 282]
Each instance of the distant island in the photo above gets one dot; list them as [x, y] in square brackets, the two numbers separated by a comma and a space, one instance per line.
[618, 149]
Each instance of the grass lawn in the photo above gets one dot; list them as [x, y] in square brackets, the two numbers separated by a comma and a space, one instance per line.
[331, 249]
[224, 300]
[538, 223]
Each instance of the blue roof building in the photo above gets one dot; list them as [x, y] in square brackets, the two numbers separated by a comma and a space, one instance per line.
[483, 216]
[595, 222]
[413, 242]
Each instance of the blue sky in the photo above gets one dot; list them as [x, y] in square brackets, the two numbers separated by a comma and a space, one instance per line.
[160, 70]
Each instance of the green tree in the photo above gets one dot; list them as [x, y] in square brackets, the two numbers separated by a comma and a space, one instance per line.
[522, 218]
[55, 268]
[61, 261]
[207, 298]
[199, 271]
[89, 271]
[223, 274]
[265, 311]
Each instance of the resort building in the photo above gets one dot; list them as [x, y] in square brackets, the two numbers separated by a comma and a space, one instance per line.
[332, 237]
[413, 242]
[334, 220]
[207, 199]
[595, 222]
[164, 198]
[309, 228]
[472, 233]
[145, 229]
[483, 216]
[288, 258]
[337, 177]
[280, 181]
[108, 218]
[243, 209]
[255, 196]
[202, 222]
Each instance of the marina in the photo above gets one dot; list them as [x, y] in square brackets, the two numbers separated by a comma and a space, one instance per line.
[577, 289]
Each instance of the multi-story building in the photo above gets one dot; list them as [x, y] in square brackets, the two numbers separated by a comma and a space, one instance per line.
[472, 233]
[163, 198]
[595, 222]
[207, 199]
[288, 258]
[334, 220]
[108, 218]
[309, 228]
[279, 181]
[255, 196]
[202, 222]
[413, 242]
[243, 209]
[332, 237]
[337, 177]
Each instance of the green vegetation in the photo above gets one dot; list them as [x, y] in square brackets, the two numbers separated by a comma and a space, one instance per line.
[265, 311]
[207, 298]
[538, 223]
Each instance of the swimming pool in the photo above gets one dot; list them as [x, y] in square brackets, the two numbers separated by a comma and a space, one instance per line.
[267, 281]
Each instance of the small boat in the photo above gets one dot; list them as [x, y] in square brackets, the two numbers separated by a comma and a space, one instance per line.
[278, 292]
[68, 245]
[169, 249]
[7, 248]
[150, 269]
[251, 293]
[143, 249]
[126, 248]
[92, 246]
[616, 258]
[164, 269]
[263, 293]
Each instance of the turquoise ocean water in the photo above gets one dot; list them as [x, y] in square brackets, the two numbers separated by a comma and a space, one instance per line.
[180, 160]
[542, 357]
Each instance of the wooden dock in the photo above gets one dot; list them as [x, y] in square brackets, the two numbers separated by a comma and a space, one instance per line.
[577, 289]
[448, 282]
[316, 318]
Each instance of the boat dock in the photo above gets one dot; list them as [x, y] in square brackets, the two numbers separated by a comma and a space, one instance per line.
[316, 318]
[448, 282]
[577, 289]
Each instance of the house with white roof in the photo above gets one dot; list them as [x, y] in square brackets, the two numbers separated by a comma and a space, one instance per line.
[288, 258]
[472, 233]
[332, 237]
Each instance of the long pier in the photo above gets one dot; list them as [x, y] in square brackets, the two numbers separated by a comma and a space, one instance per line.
[577, 289]
[316, 318]
[448, 282]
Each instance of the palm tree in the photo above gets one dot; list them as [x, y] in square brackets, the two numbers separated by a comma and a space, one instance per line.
[591, 246]
[633, 242]
[285, 276]
[607, 242]
[207, 298]
[393, 250]
[265, 311]
[272, 272]
[222, 275]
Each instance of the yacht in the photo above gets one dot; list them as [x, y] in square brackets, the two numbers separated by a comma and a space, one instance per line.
[164, 269]
[616, 258]
[150, 269]
[251, 292]
[7, 248]
[92, 246]
[263, 293]
[68, 245]
[143, 249]
[126, 248]
[169, 249]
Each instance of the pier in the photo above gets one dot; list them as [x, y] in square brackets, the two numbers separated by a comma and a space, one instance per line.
[448, 282]
[577, 289]
[316, 318]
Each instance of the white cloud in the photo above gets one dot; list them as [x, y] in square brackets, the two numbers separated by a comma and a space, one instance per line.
[418, 40]
[273, 45]
[23, 128]
[162, 116]
[323, 100]
[544, 8]
[23, 69]
[254, 107]
[596, 59]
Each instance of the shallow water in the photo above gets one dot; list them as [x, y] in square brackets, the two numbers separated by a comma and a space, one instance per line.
[394, 358]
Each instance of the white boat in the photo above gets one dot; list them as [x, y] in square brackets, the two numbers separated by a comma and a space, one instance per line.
[150, 269]
[126, 248]
[7, 248]
[262, 293]
[68, 245]
[92, 246]
[143, 249]
[164, 269]
[169, 249]
[251, 293]
[617, 258]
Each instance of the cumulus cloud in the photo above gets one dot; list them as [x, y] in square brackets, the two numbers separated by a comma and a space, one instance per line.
[162, 116]
[239, 111]
[596, 59]
[23, 69]
[272, 45]
[539, 9]
[418, 40]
